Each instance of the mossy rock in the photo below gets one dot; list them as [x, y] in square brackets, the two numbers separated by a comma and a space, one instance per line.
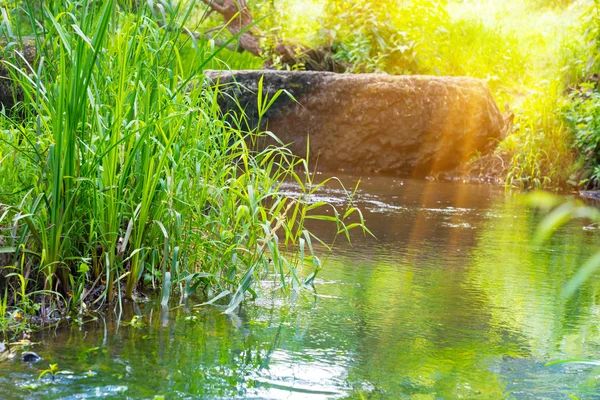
[404, 125]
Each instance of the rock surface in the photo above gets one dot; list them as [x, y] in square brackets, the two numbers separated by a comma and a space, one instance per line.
[590, 194]
[30, 357]
[9, 92]
[409, 125]
[5, 258]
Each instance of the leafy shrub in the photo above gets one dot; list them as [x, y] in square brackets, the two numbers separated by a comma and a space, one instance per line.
[582, 111]
[381, 36]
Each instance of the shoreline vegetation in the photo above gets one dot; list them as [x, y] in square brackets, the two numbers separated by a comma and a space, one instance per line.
[118, 170]
[119, 174]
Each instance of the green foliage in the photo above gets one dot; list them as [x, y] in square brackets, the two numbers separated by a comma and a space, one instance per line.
[226, 59]
[583, 101]
[560, 212]
[52, 370]
[591, 26]
[134, 175]
[382, 36]
[583, 115]
[540, 147]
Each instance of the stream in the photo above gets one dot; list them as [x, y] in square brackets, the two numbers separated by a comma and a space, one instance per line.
[449, 301]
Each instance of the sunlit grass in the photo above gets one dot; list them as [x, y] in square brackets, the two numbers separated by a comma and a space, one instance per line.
[540, 50]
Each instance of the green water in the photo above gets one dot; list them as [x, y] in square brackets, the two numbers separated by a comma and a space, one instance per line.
[450, 301]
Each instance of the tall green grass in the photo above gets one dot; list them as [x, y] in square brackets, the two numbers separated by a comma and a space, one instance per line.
[135, 178]
[541, 146]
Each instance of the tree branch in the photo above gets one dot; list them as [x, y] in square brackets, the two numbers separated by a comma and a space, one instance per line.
[238, 19]
[215, 6]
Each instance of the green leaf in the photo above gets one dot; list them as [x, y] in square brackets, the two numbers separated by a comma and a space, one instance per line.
[557, 218]
[574, 361]
[214, 299]
[166, 289]
[581, 276]
[238, 297]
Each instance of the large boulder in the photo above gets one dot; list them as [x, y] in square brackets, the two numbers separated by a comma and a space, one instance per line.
[8, 95]
[410, 125]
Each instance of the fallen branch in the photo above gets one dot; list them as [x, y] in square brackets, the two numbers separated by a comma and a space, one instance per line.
[238, 19]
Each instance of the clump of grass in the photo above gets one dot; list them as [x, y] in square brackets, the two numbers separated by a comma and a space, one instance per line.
[136, 177]
[541, 144]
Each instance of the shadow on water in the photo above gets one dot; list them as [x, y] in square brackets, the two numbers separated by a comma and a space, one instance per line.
[450, 301]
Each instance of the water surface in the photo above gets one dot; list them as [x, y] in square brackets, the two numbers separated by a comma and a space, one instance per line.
[449, 301]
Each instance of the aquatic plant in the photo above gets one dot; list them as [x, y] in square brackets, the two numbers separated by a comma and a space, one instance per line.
[134, 175]
[52, 370]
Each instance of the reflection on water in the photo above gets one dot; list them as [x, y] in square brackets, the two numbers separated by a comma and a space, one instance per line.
[450, 301]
